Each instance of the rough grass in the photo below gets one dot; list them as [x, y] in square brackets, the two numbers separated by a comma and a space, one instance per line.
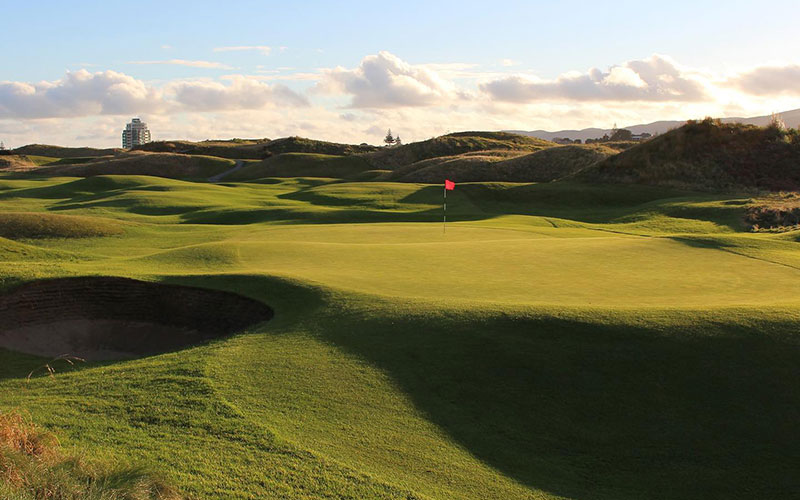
[453, 144]
[560, 340]
[776, 212]
[16, 163]
[63, 152]
[302, 165]
[254, 149]
[139, 163]
[542, 166]
[33, 467]
[709, 155]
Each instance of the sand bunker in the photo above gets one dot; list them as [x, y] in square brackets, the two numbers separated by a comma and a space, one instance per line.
[118, 318]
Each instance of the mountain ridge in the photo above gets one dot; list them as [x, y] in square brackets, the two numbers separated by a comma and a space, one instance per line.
[791, 118]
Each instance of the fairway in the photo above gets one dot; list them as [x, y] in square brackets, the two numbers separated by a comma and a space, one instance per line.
[556, 341]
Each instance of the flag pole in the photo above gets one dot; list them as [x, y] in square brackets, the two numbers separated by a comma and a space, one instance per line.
[444, 211]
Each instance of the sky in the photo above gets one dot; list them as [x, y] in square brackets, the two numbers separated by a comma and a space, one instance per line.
[73, 73]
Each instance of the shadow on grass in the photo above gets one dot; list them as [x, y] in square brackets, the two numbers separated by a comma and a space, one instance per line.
[583, 410]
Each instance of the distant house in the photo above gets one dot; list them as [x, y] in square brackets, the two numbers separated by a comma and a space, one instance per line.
[641, 137]
[136, 133]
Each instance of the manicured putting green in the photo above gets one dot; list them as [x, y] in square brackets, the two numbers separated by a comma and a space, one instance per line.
[544, 266]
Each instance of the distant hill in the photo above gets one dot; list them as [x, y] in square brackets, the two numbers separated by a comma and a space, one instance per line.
[791, 118]
[540, 166]
[453, 144]
[708, 155]
[168, 165]
[63, 152]
[302, 165]
[254, 149]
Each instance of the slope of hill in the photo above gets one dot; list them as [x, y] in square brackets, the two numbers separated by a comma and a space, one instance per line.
[34, 225]
[254, 149]
[176, 166]
[232, 149]
[708, 155]
[16, 163]
[63, 152]
[791, 118]
[302, 165]
[453, 144]
[541, 166]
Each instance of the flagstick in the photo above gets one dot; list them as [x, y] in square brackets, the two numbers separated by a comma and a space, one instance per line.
[444, 212]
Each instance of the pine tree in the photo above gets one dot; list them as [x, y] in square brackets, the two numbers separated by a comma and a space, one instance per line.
[397, 141]
[389, 139]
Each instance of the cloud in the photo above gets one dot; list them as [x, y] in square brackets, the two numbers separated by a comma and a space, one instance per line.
[386, 81]
[183, 62]
[242, 93]
[769, 80]
[264, 49]
[275, 75]
[79, 93]
[82, 93]
[656, 78]
[509, 62]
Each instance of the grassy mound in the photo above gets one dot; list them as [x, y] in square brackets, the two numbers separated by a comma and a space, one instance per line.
[232, 149]
[778, 212]
[541, 166]
[254, 149]
[303, 145]
[175, 166]
[16, 163]
[453, 144]
[33, 467]
[302, 165]
[709, 155]
[63, 152]
[32, 225]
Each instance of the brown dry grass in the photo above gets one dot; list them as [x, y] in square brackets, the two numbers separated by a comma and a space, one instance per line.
[170, 165]
[33, 467]
[16, 163]
[777, 212]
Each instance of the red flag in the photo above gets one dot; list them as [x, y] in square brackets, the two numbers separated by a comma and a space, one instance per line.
[449, 185]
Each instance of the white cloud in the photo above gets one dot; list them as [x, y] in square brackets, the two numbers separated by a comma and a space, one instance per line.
[417, 101]
[82, 93]
[656, 78]
[242, 93]
[79, 93]
[183, 62]
[508, 62]
[263, 49]
[385, 81]
[273, 74]
[769, 80]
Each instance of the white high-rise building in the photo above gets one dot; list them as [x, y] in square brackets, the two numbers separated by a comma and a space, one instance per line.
[136, 133]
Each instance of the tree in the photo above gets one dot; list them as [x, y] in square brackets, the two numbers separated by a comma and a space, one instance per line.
[389, 139]
[776, 122]
[397, 141]
[622, 134]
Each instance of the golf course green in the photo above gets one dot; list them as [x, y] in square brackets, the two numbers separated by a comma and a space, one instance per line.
[557, 340]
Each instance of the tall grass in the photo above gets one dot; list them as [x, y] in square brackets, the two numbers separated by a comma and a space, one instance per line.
[33, 467]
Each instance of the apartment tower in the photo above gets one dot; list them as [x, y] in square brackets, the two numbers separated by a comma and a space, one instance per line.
[136, 133]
